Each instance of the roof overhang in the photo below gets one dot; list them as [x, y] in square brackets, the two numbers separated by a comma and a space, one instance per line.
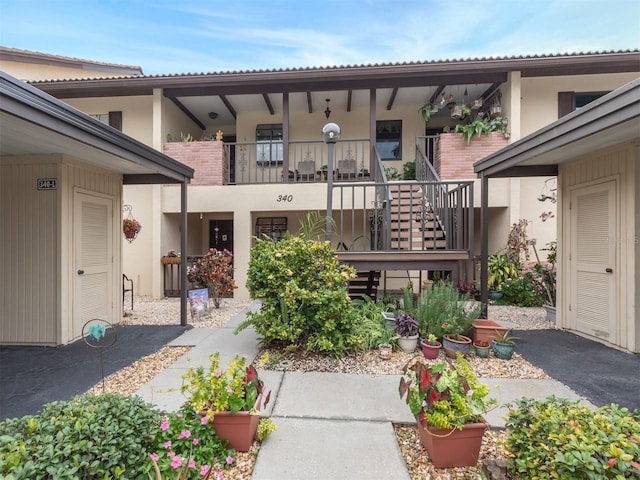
[610, 120]
[35, 123]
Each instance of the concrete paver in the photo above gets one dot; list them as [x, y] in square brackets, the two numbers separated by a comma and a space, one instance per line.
[319, 449]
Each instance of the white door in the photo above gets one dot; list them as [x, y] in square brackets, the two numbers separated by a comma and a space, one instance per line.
[93, 260]
[592, 259]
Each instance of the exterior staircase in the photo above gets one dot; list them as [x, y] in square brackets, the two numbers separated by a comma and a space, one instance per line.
[414, 226]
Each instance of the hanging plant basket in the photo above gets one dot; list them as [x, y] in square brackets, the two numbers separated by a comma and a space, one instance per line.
[131, 227]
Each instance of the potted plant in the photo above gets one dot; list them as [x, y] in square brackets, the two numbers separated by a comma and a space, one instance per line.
[503, 345]
[230, 398]
[448, 402]
[454, 341]
[482, 348]
[131, 227]
[430, 346]
[407, 330]
[546, 276]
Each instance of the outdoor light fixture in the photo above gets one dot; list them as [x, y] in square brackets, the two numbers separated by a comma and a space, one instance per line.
[327, 111]
[330, 135]
[213, 115]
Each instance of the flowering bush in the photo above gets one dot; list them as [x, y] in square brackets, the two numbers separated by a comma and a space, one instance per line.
[445, 395]
[187, 445]
[131, 227]
[215, 272]
[303, 288]
[215, 390]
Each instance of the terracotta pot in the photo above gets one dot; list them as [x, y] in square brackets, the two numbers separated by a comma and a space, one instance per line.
[238, 428]
[487, 330]
[430, 351]
[452, 345]
[171, 260]
[453, 448]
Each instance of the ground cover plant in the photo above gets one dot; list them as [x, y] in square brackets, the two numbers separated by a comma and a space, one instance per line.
[557, 438]
[303, 288]
[94, 436]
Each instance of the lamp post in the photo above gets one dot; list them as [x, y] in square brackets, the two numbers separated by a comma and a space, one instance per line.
[330, 135]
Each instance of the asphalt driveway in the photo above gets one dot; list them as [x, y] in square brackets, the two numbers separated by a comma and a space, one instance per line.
[33, 376]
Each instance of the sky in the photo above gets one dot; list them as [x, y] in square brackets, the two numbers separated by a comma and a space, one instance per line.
[186, 36]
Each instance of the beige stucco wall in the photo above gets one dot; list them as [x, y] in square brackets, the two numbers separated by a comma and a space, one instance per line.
[540, 95]
[619, 163]
[136, 113]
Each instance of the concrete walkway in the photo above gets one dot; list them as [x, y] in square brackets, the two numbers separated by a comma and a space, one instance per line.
[330, 425]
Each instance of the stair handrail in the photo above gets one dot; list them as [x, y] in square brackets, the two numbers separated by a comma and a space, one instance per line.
[426, 174]
[383, 199]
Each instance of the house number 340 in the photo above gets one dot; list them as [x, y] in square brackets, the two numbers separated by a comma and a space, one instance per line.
[284, 198]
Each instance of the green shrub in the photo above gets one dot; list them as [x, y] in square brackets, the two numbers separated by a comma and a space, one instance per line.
[303, 289]
[522, 291]
[557, 438]
[94, 436]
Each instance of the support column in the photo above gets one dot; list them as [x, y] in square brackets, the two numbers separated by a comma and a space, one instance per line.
[484, 243]
[183, 249]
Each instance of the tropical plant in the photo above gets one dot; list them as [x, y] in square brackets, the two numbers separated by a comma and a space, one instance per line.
[425, 111]
[303, 288]
[234, 389]
[444, 395]
[546, 274]
[482, 124]
[505, 337]
[518, 243]
[409, 171]
[392, 173]
[523, 291]
[215, 272]
[500, 269]
[406, 325]
[371, 327]
[558, 438]
[313, 225]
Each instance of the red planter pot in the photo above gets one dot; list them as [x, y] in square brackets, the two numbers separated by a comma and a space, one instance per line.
[239, 428]
[430, 351]
[453, 448]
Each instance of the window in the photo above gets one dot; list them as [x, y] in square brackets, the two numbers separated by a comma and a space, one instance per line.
[570, 101]
[113, 119]
[389, 139]
[269, 139]
[273, 227]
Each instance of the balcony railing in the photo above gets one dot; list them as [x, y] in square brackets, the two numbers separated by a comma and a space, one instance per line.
[264, 162]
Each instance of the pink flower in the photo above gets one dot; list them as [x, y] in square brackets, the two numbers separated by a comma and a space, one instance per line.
[164, 426]
[204, 469]
[204, 420]
[196, 441]
[179, 415]
[229, 460]
[244, 355]
[154, 457]
[229, 390]
[217, 373]
[184, 434]
[192, 463]
[176, 462]
[171, 454]
[167, 444]
[219, 475]
[470, 393]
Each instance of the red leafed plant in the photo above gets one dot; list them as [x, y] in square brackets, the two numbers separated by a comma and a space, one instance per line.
[214, 271]
[444, 395]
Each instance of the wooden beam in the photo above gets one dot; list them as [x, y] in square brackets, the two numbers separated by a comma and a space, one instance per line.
[229, 106]
[309, 103]
[267, 101]
[392, 98]
[188, 113]
[349, 99]
[438, 91]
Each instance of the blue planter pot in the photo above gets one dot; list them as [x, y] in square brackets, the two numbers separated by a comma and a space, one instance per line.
[503, 351]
